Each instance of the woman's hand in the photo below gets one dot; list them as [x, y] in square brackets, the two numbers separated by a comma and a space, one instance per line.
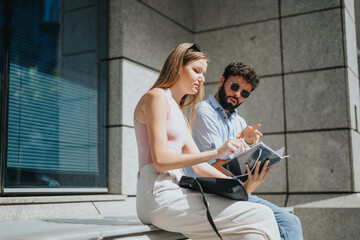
[232, 146]
[250, 134]
[254, 180]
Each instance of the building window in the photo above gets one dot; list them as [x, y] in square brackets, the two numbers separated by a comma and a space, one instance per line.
[55, 118]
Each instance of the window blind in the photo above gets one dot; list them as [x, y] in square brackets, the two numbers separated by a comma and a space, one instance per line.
[53, 114]
[52, 123]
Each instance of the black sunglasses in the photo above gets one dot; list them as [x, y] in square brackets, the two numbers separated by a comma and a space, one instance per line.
[195, 48]
[235, 86]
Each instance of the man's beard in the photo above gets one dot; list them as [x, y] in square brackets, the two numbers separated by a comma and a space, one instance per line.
[223, 100]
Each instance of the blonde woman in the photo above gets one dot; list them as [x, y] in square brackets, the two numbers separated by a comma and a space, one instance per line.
[166, 146]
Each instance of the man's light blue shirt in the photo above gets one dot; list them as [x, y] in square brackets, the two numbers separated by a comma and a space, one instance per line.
[212, 127]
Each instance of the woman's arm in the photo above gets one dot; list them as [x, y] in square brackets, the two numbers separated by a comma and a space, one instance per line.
[155, 109]
[203, 169]
[206, 170]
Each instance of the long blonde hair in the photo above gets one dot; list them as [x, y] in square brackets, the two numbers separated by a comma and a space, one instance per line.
[170, 72]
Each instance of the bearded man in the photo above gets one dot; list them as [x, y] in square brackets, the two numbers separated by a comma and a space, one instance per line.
[217, 120]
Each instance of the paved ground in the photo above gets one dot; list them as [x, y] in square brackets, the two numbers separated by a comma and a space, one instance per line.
[87, 227]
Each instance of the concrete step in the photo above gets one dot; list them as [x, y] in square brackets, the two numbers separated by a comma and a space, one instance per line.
[94, 227]
[331, 219]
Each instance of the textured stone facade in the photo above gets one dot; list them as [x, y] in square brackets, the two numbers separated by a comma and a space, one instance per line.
[308, 100]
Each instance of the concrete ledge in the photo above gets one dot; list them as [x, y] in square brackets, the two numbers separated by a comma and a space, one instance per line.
[331, 219]
[349, 201]
[43, 211]
[61, 199]
[26, 208]
[88, 227]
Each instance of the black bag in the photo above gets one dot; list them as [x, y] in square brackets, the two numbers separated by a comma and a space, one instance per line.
[230, 188]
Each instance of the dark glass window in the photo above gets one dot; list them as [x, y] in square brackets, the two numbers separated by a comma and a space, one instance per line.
[56, 135]
[3, 106]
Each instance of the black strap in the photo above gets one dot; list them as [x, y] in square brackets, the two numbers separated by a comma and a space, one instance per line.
[253, 167]
[207, 209]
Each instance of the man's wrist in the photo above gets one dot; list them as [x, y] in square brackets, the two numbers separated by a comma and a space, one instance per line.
[252, 143]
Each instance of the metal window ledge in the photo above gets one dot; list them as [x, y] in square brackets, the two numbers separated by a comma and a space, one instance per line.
[61, 199]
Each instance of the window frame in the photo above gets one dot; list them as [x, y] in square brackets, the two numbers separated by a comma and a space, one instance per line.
[4, 78]
[101, 6]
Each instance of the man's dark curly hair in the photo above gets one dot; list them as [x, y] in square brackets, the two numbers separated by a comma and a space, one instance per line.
[242, 70]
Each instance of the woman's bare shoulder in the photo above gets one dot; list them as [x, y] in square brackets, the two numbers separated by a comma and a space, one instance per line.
[151, 98]
[153, 95]
[152, 101]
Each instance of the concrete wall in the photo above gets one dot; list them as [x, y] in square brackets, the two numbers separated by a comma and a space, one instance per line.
[308, 100]
[305, 52]
[141, 35]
